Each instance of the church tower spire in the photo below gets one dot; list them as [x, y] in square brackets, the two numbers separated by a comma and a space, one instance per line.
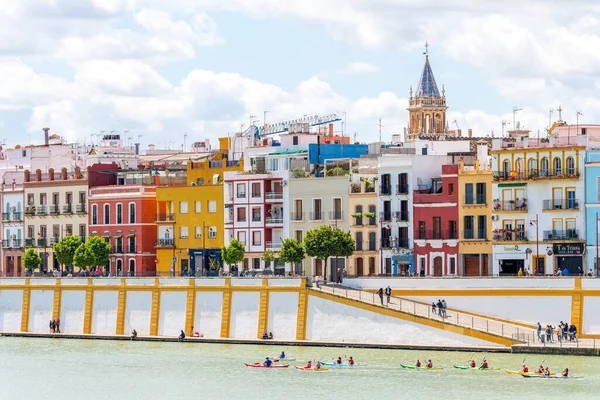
[427, 109]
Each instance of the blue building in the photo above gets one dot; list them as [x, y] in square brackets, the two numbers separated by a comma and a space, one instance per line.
[318, 153]
[592, 206]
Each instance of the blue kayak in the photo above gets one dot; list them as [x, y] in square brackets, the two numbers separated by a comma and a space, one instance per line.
[334, 364]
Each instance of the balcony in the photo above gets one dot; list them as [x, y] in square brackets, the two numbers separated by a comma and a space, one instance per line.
[316, 216]
[389, 243]
[80, 209]
[358, 219]
[30, 243]
[402, 188]
[297, 216]
[385, 189]
[569, 234]
[12, 244]
[30, 211]
[274, 245]
[336, 215]
[385, 216]
[273, 196]
[54, 209]
[12, 216]
[68, 209]
[274, 220]
[561, 205]
[533, 174]
[401, 216]
[165, 243]
[509, 235]
[5, 216]
[165, 217]
[475, 200]
[41, 210]
[443, 234]
[41, 242]
[518, 205]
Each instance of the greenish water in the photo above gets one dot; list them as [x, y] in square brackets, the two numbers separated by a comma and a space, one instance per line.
[93, 369]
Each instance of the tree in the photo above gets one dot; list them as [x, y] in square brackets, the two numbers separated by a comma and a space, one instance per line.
[326, 242]
[100, 249]
[292, 251]
[31, 259]
[234, 253]
[83, 257]
[64, 250]
[268, 257]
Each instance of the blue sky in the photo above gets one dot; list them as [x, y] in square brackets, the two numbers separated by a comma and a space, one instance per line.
[203, 66]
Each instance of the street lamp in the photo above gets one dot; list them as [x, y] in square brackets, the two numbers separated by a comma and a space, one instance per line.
[537, 243]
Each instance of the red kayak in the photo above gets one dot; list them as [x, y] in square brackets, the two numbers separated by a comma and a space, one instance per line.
[260, 365]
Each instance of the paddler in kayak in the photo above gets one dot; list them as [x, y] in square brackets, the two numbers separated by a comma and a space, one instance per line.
[282, 355]
[267, 362]
[547, 372]
[565, 373]
[351, 361]
[308, 365]
[429, 364]
[484, 364]
[472, 364]
[525, 368]
[418, 364]
[339, 361]
[540, 369]
[318, 366]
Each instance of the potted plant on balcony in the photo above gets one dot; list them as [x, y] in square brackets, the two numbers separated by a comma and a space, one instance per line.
[357, 215]
[368, 214]
[496, 204]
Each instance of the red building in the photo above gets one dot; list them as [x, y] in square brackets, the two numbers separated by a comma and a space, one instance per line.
[436, 225]
[122, 211]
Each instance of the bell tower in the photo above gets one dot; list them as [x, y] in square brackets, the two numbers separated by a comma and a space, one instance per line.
[427, 109]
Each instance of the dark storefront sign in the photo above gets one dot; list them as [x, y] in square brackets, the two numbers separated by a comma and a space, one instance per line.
[568, 249]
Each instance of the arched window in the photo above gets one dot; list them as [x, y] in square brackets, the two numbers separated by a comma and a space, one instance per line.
[119, 267]
[132, 213]
[505, 169]
[107, 214]
[532, 167]
[519, 166]
[131, 267]
[372, 241]
[359, 241]
[95, 214]
[557, 166]
[570, 166]
[119, 213]
[544, 167]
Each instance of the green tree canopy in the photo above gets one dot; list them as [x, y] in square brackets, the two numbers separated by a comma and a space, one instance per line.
[325, 242]
[268, 256]
[292, 251]
[100, 249]
[64, 250]
[31, 259]
[83, 257]
[234, 253]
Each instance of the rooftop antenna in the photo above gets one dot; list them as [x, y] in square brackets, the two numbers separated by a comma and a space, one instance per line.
[380, 126]
[515, 111]
[184, 142]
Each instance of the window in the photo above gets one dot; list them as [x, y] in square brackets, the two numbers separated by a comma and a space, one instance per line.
[69, 198]
[183, 232]
[372, 241]
[256, 238]
[212, 206]
[359, 241]
[544, 169]
[212, 232]
[241, 214]
[298, 235]
[30, 231]
[533, 166]
[506, 169]
[468, 193]
[255, 214]
[571, 202]
[255, 189]
[198, 230]
[30, 199]
[95, 214]
[197, 205]
[106, 214]
[482, 227]
[437, 227]
[297, 216]
[480, 193]
[43, 199]
[183, 207]
[256, 263]
[469, 232]
[55, 199]
[317, 210]
[371, 265]
[119, 213]
[422, 230]
[337, 209]
[241, 190]
[372, 210]
[570, 166]
[119, 245]
[294, 140]
[452, 265]
[452, 230]
[424, 151]
[81, 197]
[131, 267]
[358, 219]
[132, 213]
[132, 244]
[451, 189]
[557, 166]
[241, 237]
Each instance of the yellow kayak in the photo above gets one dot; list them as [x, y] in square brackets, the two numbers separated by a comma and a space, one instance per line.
[527, 373]
[311, 369]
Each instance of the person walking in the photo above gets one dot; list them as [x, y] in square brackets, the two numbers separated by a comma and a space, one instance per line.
[380, 293]
[51, 325]
[388, 293]
[539, 331]
[445, 306]
[440, 308]
[433, 307]
[57, 325]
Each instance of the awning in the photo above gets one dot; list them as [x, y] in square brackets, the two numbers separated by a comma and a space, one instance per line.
[507, 185]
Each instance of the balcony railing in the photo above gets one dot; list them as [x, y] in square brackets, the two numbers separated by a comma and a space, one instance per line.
[561, 204]
[402, 188]
[54, 209]
[509, 235]
[5, 216]
[131, 249]
[470, 234]
[41, 210]
[68, 209]
[534, 174]
[118, 250]
[336, 215]
[165, 243]
[387, 243]
[511, 205]
[316, 216]
[12, 243]
[165, 217]
[569, 234]
[30, 210]
[80, 209]
[12, 216]
[385, 216]
[274, 220]
[401, 215]
[273, 196]
[274, 245]
[444, 234]
[42, 242]
[475, 200]
[30, 243]
[297, 216]
[358, 221]
[385, 189]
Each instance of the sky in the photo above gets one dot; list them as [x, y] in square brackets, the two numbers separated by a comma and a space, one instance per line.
[160, 69]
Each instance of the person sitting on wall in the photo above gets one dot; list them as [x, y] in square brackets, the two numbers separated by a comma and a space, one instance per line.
[270, 335]
[133, 334]
[181, 336]
[265, 336]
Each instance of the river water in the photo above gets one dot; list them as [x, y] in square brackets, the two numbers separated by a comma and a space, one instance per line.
[94, 369]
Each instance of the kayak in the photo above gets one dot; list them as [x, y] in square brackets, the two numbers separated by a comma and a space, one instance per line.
[475, 368]
[527, 373]
[282, 359]
[552, 377]
[334, 364]
[422, 368]
[311, 369]
[260, 365]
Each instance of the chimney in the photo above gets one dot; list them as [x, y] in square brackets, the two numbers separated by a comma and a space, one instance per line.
[51, 174]
[330, 129]
[459, 132]
[38, 175]
[26, 176]
[63, 174]
[77, 172]
[46, 137]
[470, 132]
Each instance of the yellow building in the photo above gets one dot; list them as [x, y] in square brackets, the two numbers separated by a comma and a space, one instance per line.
[190, 219]
[474, 214]
[363, 228]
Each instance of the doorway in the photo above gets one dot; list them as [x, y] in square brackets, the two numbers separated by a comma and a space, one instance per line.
[437, 266]
[318, 267]
[511, 267]
[359, 266]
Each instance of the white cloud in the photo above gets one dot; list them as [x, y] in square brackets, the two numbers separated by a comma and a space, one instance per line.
[356, 68]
